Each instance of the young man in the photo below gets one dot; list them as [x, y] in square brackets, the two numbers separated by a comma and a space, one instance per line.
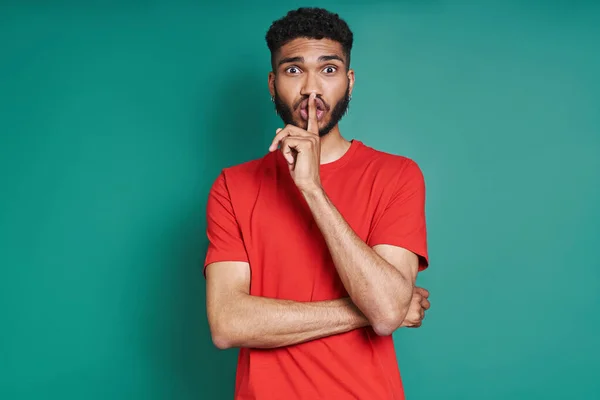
[315, 247]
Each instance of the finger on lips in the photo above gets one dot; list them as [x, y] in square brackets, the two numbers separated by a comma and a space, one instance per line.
[291, 130]
[313, 124]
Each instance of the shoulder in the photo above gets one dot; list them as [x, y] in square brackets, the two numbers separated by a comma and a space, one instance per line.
[248, 167]
[240, 176]
[395, 167]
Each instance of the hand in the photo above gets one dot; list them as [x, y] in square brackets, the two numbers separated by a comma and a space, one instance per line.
[302, 150]
[416, 310]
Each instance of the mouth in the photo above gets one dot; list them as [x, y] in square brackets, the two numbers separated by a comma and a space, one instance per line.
[321, 109]
[304, 114]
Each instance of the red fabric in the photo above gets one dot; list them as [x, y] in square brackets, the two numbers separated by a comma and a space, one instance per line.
[256, 214]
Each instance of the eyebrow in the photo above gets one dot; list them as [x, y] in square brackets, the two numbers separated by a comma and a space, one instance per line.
[301, 59]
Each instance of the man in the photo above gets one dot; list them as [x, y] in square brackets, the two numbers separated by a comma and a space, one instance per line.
[315, 247]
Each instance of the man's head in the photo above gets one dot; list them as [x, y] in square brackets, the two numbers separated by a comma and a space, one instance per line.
[310, 52]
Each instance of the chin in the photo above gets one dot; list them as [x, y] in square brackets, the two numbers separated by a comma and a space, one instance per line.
[302, 124]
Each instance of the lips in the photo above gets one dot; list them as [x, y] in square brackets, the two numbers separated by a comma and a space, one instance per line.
[321, 109]
[304, 114]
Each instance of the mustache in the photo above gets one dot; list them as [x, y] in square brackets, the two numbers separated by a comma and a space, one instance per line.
[305, 98]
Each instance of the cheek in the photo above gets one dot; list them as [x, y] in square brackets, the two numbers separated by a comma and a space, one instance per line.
[337, 90]
[288, 89]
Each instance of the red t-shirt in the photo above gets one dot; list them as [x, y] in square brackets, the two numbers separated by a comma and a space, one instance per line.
[256, 214]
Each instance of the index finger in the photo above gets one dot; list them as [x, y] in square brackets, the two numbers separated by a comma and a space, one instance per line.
[313, 123]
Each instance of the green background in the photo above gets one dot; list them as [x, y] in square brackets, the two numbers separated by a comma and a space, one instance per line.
[116, 116]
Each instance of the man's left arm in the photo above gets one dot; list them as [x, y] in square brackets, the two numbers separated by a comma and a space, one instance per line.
[380, 280]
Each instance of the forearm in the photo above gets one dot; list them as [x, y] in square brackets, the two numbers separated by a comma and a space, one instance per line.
[379, 289]
[260, 322]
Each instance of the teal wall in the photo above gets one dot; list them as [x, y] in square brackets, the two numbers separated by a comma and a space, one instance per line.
[116, 117]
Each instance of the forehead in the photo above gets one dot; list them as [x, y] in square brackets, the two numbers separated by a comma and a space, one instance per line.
[310, 48]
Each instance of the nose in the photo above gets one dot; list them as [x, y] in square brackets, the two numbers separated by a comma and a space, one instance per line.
[310, 85]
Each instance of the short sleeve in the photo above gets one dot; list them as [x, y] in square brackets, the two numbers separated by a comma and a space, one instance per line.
[403, 221]
[222, 229]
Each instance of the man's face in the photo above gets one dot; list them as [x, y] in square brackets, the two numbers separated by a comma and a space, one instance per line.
[303, 66]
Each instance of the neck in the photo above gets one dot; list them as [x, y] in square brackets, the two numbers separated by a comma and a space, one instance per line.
[333, 146]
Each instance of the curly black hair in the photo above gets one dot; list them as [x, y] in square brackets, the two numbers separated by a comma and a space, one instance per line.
[311, 23]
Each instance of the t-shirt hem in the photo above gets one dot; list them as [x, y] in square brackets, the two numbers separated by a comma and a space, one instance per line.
[229, 258]
[423, 256]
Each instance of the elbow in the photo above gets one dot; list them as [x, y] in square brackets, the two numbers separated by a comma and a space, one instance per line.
[390, 312]
[221, 342]
[385, 328]
[388, 321]
[221, 335]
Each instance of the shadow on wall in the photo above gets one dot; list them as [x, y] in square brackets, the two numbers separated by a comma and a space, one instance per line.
[180, 344]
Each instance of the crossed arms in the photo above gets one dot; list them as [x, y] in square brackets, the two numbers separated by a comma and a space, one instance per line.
[380, 282]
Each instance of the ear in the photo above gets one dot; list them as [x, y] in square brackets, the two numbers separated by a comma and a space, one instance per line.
[272, 83]
[350, 80]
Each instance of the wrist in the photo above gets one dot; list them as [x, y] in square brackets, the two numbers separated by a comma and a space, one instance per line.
[312, 192]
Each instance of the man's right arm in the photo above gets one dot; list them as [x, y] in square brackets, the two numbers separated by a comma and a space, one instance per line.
[238, 319]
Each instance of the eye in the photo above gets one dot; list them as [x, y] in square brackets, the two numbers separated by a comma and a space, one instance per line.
[292, 70]
[330, 69]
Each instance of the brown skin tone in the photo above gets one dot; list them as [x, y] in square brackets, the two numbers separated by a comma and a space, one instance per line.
[327, 78]
[380, 281]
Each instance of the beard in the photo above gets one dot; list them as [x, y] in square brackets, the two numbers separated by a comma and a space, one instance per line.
[287, 113]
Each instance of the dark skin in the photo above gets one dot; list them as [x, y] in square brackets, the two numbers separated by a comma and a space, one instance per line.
[380, 280]
[317, 69]
[301, 69]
